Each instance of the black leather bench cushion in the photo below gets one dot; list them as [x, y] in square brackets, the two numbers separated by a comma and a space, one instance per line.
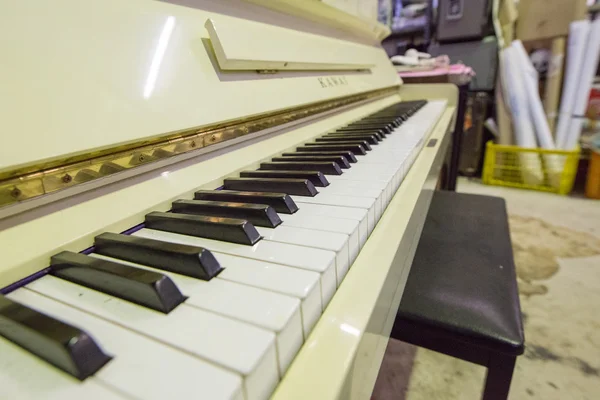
[462, 279]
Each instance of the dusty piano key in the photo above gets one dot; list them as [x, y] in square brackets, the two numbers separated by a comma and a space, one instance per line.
[311, 259]
[281, 202]
[315, 177]
[343, 138]
[325, 167]
[136, 372]
[339, 160]
[348, 155]
[298, 187]
[193, 261]
[357, 149]
[271, 311]
[232, 230]
[58, 343]
[257, 214]
[145, 288]
[202, 334]
[365, 145]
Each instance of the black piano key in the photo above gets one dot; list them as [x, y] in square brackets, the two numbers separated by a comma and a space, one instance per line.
[394, 121]
[339, 160]
[232, 230]
[193, 261]
[363, 143]
[325, 167]
[371, 137]
[357, 149]
[299, 187]
[140, 286]
[379, 127]
[379, 135]
[361, 129]
[348, 155]
[386, 128]
[281, 202]
[371, 140]
[62, 345]
[315, 177]
[390, 117]
[372, 124]
[257, 214]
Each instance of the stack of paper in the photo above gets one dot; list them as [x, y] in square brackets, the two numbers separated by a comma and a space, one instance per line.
[515, 87]
[554, 163]
[582, 58]
[553, 80]
[585, 81]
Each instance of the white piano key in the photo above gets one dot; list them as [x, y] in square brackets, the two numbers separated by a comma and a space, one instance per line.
[318, 260]
[272, 311]
[374, 194]
[385, 171]
[310, 211]
[343, 181]
[342, 201]
[369, 179]
[336, 242]
[382, 169]
[19, 369]
[141, 368]
[201, 333]
[302, 219]
[350, 186]
[290, 281]
[342, 190]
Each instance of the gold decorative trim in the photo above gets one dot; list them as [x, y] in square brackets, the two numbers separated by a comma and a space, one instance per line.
[26, 183]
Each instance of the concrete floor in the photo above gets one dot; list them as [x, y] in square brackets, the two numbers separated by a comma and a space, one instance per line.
[556, 240]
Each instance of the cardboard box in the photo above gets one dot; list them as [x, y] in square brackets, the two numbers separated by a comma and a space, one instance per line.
[541, 19]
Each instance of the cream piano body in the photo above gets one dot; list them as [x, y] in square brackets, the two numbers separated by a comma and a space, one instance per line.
[84, 81]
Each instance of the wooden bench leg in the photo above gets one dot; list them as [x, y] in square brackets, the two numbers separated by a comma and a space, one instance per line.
[499, 376]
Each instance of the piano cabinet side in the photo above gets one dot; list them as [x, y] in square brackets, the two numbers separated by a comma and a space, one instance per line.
[343, 354]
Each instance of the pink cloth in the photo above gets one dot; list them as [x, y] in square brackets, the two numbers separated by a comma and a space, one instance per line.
[454, 69]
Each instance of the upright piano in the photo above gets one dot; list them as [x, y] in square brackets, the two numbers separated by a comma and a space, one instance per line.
[205, 199]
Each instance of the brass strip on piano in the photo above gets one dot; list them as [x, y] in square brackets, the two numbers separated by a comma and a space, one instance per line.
[37, 180]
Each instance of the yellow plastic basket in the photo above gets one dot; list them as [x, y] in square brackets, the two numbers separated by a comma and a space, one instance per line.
[527, 168]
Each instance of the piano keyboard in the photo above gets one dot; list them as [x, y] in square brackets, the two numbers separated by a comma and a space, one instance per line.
[215, 298]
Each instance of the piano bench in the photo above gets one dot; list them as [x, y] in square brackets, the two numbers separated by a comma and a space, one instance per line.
[461, 297]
